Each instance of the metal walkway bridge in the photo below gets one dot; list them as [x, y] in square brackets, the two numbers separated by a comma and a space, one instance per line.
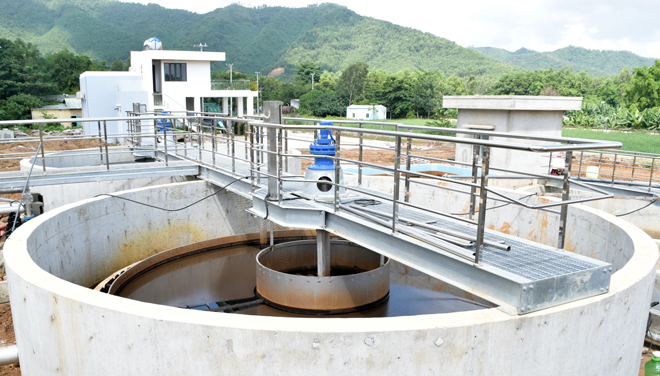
[254, 155]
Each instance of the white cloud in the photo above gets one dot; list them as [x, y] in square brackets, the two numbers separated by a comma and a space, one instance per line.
[541, 25]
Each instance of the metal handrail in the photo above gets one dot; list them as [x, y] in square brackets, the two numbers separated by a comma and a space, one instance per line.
[205, 140]
[586, 145]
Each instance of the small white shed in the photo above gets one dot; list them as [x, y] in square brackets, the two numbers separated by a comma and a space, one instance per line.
[366, 112]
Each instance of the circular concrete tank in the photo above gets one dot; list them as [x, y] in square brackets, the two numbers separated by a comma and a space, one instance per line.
[63, 327]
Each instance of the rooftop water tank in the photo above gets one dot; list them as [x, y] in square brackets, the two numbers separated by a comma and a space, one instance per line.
[153, 43]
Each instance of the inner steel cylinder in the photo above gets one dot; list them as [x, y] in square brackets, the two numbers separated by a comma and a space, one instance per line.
[287, 278]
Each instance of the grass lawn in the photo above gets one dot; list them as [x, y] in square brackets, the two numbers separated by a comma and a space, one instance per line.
[637, 141]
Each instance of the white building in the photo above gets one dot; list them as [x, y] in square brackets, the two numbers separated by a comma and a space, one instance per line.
[366, 112]
[180, 80]
[164, 81]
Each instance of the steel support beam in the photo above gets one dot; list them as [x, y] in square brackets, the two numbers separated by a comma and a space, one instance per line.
[323, 253]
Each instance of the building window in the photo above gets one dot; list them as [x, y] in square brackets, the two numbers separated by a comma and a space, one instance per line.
[367, 115]
[175, 72]
[354, 115]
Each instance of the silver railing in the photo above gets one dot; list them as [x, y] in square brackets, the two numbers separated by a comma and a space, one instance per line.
[254, 150]
[230, 85]
[480, 166]
[637, 169]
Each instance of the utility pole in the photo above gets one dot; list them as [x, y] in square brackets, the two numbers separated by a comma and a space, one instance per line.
[257, 92]
[312, 74]
[231, 99]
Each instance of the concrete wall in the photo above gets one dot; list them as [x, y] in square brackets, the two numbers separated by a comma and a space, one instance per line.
[79, 158]
[64, 328]
[646, 219]
[58, 114]
[533, 123]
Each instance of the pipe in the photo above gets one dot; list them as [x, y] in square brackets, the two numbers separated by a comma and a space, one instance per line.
[8, 355]
[27, 181]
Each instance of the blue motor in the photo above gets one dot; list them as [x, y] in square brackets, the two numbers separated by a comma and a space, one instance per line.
[323, 145]
[168, 123]
[320, 176]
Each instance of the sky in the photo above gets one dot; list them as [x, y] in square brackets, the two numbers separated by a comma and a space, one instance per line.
[540, 25]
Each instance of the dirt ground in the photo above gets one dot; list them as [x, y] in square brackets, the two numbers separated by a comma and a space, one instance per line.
[386, 157]
[7, 338]
[29, 148]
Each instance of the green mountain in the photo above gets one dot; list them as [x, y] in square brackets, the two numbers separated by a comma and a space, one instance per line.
[262, 38]
[594, 62]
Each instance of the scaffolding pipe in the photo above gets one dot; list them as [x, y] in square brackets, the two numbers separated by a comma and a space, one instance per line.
[8, 355]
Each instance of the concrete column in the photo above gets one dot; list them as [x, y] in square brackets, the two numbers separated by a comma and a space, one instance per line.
[323, 253]
[250, 105]
[534, 116]
[273, 114]
[239, 106]
[225, 105]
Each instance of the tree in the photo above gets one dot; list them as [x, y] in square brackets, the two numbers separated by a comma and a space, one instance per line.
[22, 70]
[351, 83]
[645, 87]
[65, 69]
[117, 65]
[321, 103]
[426, 92]
[19, 106]
[304, 71]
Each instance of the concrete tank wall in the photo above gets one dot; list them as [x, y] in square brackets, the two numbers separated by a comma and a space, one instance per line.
[78, 158]
[63, 328]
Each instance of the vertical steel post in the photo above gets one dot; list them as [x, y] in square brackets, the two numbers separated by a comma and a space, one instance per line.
[565, 195]
[280, 191]
[251, 158]
[483, 200]
[397, 177]
[43, 156]
[286, 150]
[214, 141]
[360, 156]
[651, 177]
[185, 135]
[337, 170]
[233, 148]
[155, 138]
[323, 253]
[200, 139]
[100, 142]
[406, 197]
[245, 138]
[273, 112]
[550, 164]
[257, 151]
[105, 134]
[580, 169]
[613, 169]
[632, 175]
[475, 169]
[174, 138]
[228, 127]
[167, 160]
